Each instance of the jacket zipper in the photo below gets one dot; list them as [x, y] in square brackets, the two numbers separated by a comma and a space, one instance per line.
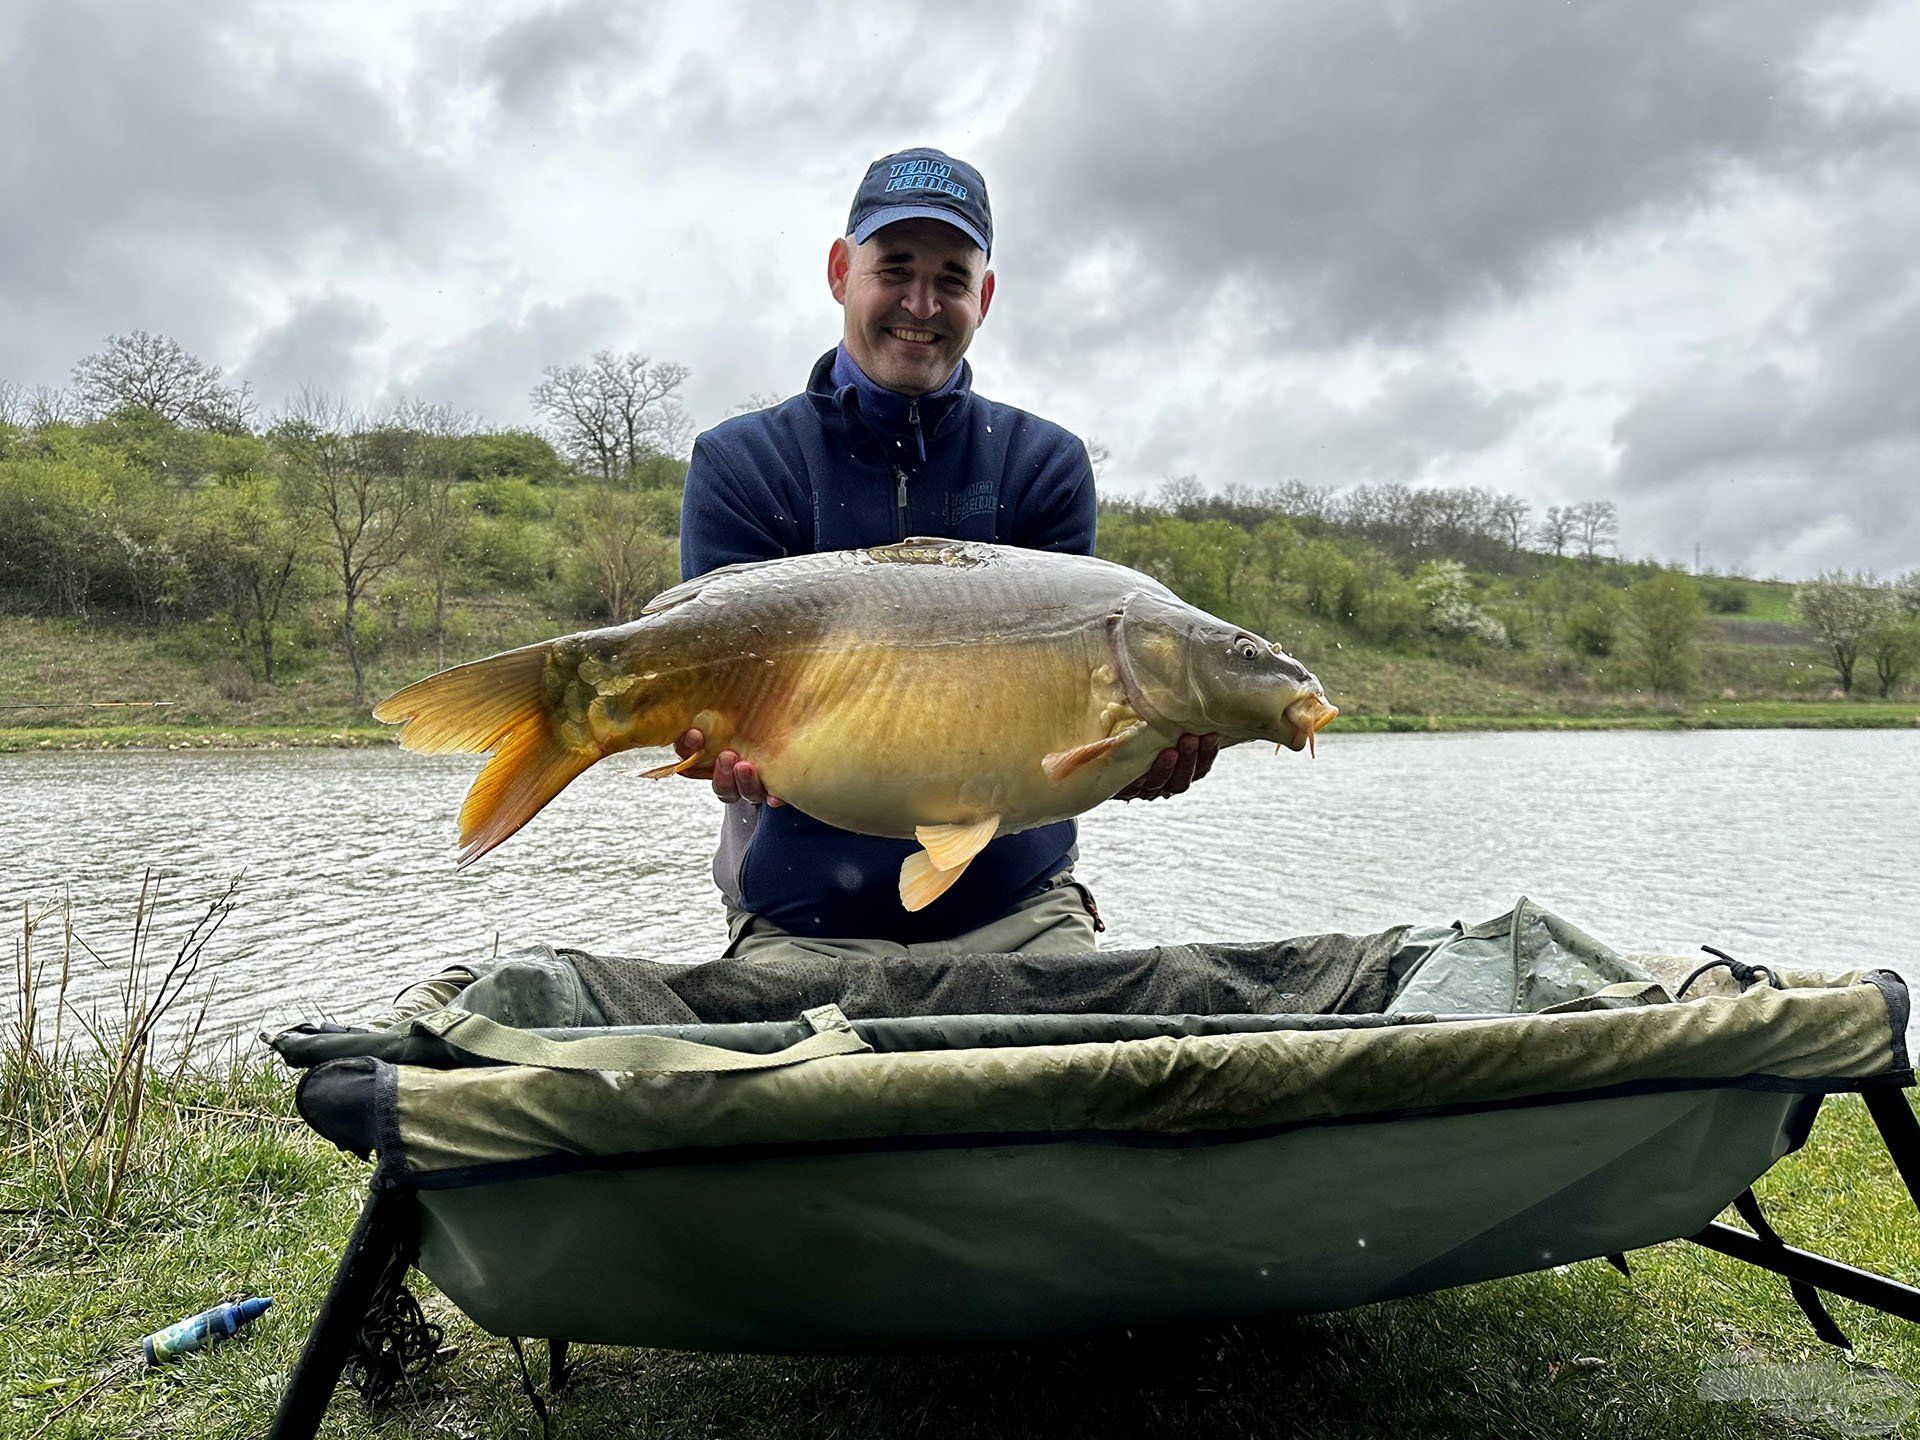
[900, 471]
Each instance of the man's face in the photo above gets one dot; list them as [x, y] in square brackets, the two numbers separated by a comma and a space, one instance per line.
[914, 294]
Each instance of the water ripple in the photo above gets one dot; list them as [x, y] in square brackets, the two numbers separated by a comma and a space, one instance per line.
[1788, 845]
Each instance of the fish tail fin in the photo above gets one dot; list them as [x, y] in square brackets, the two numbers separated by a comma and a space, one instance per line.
[527, 769]
[468, 709]
[496, 705]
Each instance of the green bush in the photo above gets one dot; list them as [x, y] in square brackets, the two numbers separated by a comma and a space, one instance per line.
[498, 552]
[1725, 597]
[513, 497]
[516, 453]
[1592, 626]
[1329, 581]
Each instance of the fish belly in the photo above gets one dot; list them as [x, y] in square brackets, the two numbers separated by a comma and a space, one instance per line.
[882, 740]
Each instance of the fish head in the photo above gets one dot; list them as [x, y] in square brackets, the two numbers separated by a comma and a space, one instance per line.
[1187, 671]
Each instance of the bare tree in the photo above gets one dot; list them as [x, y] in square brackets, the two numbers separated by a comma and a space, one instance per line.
[335, 469]
[248, 550]
[1556, 529]
[631, 559]
[1894, 648]
[1596, 523]
[1098, 455]
[38, 407]
[157, 373]
[437, 441]
[1300, 500]
[1509, 515]
[1844, 611]
[1184, 495]
[1907, 591]
[610, 413]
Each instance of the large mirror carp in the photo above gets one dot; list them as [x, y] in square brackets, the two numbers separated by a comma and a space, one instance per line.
[940, 690]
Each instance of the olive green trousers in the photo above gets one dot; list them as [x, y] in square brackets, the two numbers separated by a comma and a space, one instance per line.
[1061, 919]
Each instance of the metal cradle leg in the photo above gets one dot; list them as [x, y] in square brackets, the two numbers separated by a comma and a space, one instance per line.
[1901, 1132]
[1806, 1271]
[382, 1235]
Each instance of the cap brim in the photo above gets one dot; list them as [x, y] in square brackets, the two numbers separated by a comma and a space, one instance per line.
[881, 218]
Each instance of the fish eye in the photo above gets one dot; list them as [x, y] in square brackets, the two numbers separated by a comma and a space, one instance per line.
[1246, 648]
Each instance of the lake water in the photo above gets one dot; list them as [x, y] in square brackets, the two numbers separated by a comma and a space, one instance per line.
[1774, 845]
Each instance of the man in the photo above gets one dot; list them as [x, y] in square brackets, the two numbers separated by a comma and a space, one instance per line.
[887, 441]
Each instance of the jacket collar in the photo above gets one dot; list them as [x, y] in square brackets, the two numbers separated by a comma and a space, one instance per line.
[881, 413]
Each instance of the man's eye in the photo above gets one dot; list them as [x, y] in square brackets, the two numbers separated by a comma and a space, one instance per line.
[894, 273]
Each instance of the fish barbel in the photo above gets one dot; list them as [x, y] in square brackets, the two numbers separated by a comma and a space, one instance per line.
[940, 690]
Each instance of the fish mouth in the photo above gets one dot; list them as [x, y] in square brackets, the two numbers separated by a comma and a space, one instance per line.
[1307, 716]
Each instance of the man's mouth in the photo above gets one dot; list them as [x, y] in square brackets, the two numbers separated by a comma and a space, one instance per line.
[913, 337]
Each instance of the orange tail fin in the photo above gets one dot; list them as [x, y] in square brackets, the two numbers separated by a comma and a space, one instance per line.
[499, 705]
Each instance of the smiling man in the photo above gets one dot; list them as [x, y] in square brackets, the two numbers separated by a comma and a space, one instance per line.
[889, 440]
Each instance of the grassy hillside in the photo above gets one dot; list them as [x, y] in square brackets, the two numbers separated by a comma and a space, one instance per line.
[145, 562]
[1764, 681]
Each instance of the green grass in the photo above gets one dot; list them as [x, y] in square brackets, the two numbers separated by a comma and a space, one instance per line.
[15, 739]
[1715, 715]
[1768, 600]
[223, 1192]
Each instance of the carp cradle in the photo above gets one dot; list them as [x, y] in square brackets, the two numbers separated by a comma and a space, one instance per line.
[831, 1155]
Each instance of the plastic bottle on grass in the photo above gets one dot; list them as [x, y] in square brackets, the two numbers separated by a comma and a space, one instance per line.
[198, 1331]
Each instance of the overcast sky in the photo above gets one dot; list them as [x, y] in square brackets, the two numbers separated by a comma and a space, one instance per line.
[1657, 252]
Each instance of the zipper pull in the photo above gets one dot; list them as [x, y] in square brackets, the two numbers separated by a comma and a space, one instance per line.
[900, 501]
[919, 435]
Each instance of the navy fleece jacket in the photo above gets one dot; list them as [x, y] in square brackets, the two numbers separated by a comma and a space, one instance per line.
[844, 465]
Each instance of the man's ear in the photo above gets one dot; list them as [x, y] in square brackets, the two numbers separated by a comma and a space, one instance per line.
[839, 266]
[986, 293]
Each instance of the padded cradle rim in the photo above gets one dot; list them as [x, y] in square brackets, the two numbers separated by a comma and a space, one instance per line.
[1825, 1039]
[397, 1177]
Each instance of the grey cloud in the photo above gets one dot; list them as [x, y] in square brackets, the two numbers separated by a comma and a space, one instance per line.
[1858, 514]
[825, 97]
[1424, 416]
[533, 62]
[174, 146]
[1769, 465]
[1370, 170]
[321, 345]
[489, 369]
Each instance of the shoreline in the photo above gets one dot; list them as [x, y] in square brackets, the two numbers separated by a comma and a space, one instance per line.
[1721, 715]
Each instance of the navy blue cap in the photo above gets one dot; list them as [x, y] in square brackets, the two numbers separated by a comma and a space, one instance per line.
[922, 184]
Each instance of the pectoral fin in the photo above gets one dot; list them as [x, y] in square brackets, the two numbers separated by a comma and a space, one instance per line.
[1062, 763]
[928, 874]
[661, 772]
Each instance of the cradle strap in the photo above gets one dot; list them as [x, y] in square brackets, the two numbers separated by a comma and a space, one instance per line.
[655, 1054]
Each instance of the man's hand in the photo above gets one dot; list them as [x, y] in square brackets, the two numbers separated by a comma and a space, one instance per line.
[1174, 768]
[733, 779]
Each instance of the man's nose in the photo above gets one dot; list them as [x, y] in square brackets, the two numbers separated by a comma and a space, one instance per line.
[922, 302]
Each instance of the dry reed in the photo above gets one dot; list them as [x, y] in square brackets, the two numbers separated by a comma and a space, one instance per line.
[72, 1096]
